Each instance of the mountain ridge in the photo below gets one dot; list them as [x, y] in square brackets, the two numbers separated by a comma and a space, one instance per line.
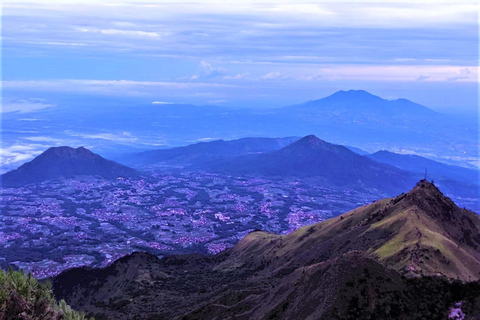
[212, 152]
[348, 267]
[411, 226]
[313, 157]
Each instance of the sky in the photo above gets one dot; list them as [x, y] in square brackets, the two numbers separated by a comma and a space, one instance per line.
[239, 53]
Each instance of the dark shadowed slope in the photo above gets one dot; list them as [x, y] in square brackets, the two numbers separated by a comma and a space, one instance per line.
[349, 267]
[207, 153]
[357, 150]
[312, 157]
[65, 162]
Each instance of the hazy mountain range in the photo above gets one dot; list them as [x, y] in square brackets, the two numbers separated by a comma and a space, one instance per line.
[355, 118]
[204, 154]
[388, 260]
[308, 157]
[312, 157]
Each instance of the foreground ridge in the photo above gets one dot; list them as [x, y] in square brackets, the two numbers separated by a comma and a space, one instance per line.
[411, 256]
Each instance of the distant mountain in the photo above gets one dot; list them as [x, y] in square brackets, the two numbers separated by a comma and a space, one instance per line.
[204, 153]
[65, 162]
[397, 258]
[435, 170]
[457, 181]
[312, 157]
[354, 102]
[352, 117]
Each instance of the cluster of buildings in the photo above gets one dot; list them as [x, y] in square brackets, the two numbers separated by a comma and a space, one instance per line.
[58, 225]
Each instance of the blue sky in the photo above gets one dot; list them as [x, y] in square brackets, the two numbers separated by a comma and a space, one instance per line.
[239, 53]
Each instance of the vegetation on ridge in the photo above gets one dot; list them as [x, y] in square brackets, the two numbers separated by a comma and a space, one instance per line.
[24, 297]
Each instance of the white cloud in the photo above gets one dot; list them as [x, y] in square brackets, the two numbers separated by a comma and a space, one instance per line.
[54, 43]
[162, 102]
[133, 33]
[24, 105]
[109, 87]
[437, 73]
[272, 75]
[237, 76]
[123, 137]
[46, 139]
[205, 139]
[207, 71]
[12, 156]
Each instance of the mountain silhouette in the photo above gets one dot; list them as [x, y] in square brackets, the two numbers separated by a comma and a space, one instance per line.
[353, 102]
[65, 162]
[313, 157]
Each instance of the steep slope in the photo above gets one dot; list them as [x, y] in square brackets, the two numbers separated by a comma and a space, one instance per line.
[374, 262]
[351, 286]
[312, 157]
[421, 232]
[202, 153]
[141, 286]
[64, 162]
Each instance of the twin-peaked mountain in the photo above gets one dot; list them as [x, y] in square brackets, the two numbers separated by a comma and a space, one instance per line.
[65, 162]
[397, 258]
[353, 103]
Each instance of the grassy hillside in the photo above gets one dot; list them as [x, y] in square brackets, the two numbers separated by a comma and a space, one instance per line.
[421, 232]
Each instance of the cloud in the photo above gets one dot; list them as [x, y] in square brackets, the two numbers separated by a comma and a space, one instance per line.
[407, 73]
[218, 42]
[237, 76]
[218, 101]
[123, 137]
[465, 74]
[206, 71]
[273, 75]
[24, 105]
[54, 43]
[422, 77]
[108, 87]
[205, 139]
[14, 154]
[120, 32]
[162, 102]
